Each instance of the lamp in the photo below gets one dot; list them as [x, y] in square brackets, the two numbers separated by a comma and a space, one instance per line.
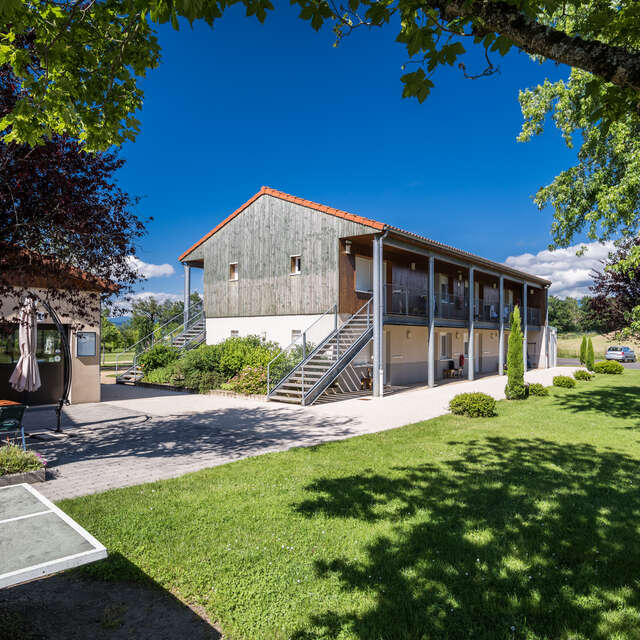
[495, 286]
[347, 247]
[459, 276]
[413, 266]
[408, 334]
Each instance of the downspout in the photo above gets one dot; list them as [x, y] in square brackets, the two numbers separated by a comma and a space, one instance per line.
[378, 315]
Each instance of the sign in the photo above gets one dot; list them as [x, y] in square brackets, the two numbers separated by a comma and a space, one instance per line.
[86, 344]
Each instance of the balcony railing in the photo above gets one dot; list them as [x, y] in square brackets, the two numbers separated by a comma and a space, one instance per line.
[451, 307]
[486, 311]
[533, 316]
[405, 301]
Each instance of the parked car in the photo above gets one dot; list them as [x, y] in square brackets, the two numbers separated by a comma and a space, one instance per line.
[621, 354]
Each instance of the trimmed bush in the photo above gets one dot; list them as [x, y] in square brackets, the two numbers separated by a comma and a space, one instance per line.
[610, 367]
[590, 359]
[583, 350]
[581, 374]
[251, 380]
[515, 389]
[473, 405]
[537, 389]
[161, 375]
[160, 355]
[564, 381]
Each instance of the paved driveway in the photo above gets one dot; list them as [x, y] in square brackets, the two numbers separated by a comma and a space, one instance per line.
[139, 435]
[575, 362]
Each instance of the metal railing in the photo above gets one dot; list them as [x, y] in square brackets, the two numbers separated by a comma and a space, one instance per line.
[292, 355]
[451, 307]
[485, 311]
[405, 301]
[533, 316]
[340, 343]
[161, 334]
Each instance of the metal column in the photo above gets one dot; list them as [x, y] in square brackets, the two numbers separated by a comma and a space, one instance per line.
[187, 292]
[378, 302]
[546, 327]
[524, 324]
[471, 372]
[501, 330]
[431, 348]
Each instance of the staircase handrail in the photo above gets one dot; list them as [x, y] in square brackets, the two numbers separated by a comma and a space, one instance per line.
[300, 341]
[197, 309]
[329, 373]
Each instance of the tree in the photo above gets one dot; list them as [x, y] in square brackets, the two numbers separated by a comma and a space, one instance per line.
[589, 357]
[615, 291]
[515, 389]
[110, 336]
[80, 62]
[61, 212]
[583, 350]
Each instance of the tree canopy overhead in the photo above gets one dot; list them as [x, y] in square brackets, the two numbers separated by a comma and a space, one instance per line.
[79, 62]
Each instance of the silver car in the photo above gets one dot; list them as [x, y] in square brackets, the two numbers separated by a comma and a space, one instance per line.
[621, 354]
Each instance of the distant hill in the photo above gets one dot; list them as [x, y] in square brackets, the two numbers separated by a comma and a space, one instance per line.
[120, 320]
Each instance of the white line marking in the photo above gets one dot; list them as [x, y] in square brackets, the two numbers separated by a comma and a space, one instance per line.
[28, 515]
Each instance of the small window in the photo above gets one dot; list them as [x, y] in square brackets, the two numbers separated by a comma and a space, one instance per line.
[296, 334]
[233, 271]
[235, 333]
[295, 265]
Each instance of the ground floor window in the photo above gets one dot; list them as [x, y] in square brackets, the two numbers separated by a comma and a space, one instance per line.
[235, 333]
[445, 346]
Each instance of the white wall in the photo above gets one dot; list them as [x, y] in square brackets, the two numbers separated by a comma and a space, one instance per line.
[407, 359]
[275, 328]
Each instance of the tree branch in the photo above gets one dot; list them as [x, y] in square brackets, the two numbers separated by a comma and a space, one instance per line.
[615, 64]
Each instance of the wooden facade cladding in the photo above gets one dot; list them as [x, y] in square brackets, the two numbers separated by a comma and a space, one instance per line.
[262, 240]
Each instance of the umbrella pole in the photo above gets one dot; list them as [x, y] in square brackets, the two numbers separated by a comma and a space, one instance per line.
[64, 398]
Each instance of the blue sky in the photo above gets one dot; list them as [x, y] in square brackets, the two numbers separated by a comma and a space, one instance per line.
[246, 105]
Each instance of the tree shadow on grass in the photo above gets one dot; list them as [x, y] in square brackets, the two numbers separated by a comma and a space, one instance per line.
[616, 401]
[513, 539]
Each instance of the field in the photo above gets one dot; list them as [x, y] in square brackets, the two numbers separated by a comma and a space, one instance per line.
[521, 526]
[569, 344]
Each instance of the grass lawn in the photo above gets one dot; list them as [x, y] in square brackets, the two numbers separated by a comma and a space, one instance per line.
[526, 525]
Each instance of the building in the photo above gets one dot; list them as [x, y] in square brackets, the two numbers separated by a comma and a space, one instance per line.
[359, 300]
[81, 328]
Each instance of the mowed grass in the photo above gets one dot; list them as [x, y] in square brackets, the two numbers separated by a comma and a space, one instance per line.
[569, 344]
[526, 525]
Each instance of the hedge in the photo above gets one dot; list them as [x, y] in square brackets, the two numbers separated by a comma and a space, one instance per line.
[581, 374]
[564, 381]
[608, 366]
[537, 389]
[474, 405]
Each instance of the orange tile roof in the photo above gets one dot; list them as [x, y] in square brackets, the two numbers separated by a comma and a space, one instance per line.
[374, 224]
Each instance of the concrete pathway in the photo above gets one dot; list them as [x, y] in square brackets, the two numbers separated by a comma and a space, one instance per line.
[140, 435]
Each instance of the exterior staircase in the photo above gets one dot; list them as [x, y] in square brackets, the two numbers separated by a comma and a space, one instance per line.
[183, 337]
[303, 382]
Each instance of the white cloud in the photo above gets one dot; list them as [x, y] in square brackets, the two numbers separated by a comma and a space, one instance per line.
[124, 306]
[569, 273]
[150, 270]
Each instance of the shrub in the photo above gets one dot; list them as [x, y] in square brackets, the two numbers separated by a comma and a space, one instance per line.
[590, 357]
[474, 405]
[204, 381]
[160, 355]
[583, 350]
[581, 374]
[162, 375]
[564, 381]
[14, 459]
[515, 389]
[536, 389]
[251, 380]
[608, 366]
[249, 351]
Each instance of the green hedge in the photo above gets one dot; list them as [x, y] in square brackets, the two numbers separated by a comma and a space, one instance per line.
[608, 366]
[251, 380]
[581, 374]
[537, 389]
[564, 381]
[157, 357]
[474, 405]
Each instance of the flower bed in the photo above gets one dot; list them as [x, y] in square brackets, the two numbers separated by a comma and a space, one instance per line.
[18, 465]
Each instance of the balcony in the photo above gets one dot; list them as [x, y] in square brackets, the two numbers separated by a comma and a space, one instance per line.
[451, 307]
[486, 311]
[404, 301]
[533, 316]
